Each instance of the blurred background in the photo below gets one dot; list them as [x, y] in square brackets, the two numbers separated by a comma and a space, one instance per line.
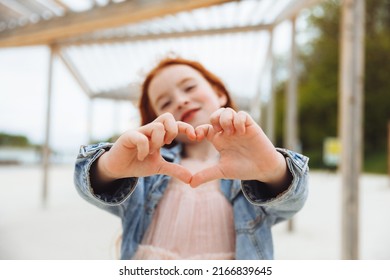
[314, 74]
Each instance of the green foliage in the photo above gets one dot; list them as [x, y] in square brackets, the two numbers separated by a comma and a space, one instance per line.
[14, 140]
[376, 163]
[377, 92]
[318, 86]
[318, 92]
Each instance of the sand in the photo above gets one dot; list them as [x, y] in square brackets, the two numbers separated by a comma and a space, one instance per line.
[68, 228]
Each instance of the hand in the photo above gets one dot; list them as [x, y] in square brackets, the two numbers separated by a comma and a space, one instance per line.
[246, 153]
[136, 153]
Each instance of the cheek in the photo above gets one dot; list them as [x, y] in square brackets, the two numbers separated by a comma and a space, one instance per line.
[219, 99]
[215, 102]
[223, 100]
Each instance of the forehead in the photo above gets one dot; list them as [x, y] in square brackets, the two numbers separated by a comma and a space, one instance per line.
[171, 77]
[176, 73]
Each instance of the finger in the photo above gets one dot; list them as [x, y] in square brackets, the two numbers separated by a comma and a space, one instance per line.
[204, 131]
[155, 132]
[240, 122]
[140, 141]
[214, 119]
[186, 129]
[177, 171]
[170, 126]
[226, 120]
[206, 175]
[157, 136]
[164, 117]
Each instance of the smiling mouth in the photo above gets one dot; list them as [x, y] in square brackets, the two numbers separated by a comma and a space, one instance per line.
[188, 116]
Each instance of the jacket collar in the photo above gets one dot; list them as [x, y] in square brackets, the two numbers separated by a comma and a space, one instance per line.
[172, 154]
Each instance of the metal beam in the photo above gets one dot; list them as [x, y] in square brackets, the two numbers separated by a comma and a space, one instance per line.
[293, 9]
[173, 35]
[90, 120]
[15, 7]
[74, 72]
[271, 103]
[291, 107]
[291, 117]
[46, 152]
[62, 5]
[350, 126]
[110, 16]
[129, 93]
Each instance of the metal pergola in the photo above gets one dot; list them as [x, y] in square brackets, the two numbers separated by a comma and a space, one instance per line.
[74, 32]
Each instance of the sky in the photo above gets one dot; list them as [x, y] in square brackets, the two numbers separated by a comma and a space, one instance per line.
[23, 101]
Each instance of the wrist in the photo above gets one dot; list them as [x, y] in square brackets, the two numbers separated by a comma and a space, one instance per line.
[102, 172]
[280, 176]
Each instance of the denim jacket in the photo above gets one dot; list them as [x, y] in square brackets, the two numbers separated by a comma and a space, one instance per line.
[134, 200]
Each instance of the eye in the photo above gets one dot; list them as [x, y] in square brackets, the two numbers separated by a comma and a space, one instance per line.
[165, 105]
[189, 88]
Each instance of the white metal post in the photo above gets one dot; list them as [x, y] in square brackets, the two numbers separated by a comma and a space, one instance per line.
[46, 152]
[90, 113]
[291, 116]
[271, 103]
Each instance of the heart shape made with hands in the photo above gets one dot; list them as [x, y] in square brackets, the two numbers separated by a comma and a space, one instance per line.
[234, 159]
[233, 134]
[199, 134]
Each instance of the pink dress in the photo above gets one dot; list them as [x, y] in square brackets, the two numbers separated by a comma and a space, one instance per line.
[190, 223]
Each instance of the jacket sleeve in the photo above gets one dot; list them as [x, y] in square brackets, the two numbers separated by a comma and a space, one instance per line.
[287, 203]
[112, 201]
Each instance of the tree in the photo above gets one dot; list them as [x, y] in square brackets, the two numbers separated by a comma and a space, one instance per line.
[13, 140]
[318, 85]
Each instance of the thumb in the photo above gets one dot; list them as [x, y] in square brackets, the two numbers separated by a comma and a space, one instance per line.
[175, 170]
[206, 175]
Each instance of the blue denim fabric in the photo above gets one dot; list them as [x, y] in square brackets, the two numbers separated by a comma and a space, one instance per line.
[134, 200]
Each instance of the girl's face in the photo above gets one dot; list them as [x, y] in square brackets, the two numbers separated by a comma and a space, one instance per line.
[185, 93]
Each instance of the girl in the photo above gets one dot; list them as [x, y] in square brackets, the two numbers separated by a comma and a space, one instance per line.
[197, 180]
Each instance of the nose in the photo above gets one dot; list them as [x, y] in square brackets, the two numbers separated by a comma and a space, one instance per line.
[182, 100]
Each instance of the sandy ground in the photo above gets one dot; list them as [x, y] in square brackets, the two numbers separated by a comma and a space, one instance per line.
[70, 228]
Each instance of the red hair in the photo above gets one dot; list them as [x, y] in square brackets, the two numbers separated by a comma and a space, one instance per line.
[145, 107]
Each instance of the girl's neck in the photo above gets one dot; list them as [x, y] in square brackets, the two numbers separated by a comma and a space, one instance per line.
[201, 151]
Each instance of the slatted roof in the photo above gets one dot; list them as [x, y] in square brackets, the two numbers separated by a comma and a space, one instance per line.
[108, 45]
[49, 21]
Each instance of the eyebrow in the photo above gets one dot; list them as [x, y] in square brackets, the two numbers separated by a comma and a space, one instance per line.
[183, 81]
